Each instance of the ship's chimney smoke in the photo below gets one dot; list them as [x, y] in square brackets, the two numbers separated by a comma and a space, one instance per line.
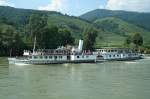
[80, 45]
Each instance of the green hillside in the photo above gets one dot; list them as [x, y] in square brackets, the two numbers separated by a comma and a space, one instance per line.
[75, 25]
[20, 17]
[113, 26]
[116, 30]
[140, 19]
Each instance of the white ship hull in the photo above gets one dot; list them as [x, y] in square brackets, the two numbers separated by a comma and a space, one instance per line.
[42, 62]
[53, 59]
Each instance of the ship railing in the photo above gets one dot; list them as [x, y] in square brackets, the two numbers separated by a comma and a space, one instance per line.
[22, 58]
[91, 53]
[52, 54]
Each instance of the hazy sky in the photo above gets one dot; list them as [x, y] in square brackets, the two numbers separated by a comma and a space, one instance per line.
[78, 7]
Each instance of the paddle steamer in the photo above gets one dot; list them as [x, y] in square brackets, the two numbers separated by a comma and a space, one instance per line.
[74, 55]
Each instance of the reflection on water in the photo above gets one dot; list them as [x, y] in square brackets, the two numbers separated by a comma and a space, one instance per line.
[110, 80]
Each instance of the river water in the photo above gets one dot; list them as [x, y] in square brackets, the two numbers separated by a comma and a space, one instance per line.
[109, 80]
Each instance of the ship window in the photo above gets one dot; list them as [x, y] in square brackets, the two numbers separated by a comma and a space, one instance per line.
[55, 57]
[82, 56]
[45, 57]
[117, 55]
[60, 56]
[35, 57]
[41, 57]
[78, 57]
[114, 55]
[50, 57]
[109, 55]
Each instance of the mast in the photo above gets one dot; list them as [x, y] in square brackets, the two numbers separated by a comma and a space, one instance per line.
[34, 45]
[10, 52]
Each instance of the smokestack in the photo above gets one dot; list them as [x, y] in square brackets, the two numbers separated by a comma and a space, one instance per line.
[80, 45]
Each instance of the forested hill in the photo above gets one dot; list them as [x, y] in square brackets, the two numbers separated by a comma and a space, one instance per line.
[140, 19]
[15, 34]
[20, 17]
[113, 27]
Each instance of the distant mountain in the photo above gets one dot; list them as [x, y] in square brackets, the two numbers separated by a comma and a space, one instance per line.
[113, 26]
[140, 19]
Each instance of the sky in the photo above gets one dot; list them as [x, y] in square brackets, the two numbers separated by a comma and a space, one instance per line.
[79, 7]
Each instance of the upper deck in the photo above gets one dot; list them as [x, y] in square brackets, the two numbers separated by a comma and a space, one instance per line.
[116, 50]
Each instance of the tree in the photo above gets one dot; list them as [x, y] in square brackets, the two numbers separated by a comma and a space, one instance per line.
[89, 37]
[66, 37]
[37, 24]
[128, 41]
[10, 41]
[0, 38]
[50, 38]
[18, 44]
[137, 40]
[54, 37]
